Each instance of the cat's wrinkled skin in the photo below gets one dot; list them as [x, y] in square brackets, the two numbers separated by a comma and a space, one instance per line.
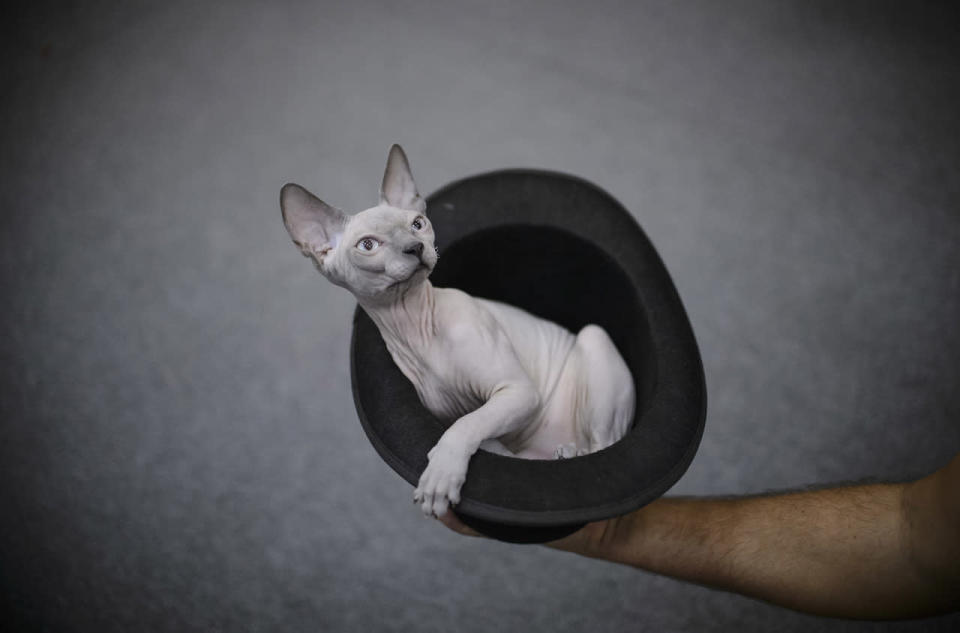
[513, 383]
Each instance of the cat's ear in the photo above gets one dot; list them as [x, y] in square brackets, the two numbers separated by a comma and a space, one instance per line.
[398, 188]
[315, 226]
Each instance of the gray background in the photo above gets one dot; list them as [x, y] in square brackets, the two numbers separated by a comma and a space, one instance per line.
[179, 449]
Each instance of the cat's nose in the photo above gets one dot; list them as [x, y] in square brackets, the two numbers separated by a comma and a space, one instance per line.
[414, 249]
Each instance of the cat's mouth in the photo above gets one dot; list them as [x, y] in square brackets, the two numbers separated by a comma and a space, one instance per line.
[421, 267]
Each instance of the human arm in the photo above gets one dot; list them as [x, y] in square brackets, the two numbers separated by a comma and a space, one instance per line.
[872, 551]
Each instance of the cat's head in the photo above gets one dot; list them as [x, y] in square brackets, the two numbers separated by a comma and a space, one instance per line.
[377, 254]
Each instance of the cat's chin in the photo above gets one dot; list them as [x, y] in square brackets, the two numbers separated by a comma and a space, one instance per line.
[418, 276]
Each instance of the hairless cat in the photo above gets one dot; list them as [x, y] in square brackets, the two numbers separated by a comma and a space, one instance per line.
[510, 382]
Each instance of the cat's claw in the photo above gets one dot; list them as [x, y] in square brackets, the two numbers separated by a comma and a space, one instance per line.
[439, 485]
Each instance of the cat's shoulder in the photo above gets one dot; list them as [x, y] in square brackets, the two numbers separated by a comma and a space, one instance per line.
[463, 318]
[455, 303]
[452, 295]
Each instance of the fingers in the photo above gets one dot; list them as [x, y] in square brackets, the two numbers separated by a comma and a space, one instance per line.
[589, 540]
[453, 522]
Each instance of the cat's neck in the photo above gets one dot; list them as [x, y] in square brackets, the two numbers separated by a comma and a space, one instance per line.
[408, 319]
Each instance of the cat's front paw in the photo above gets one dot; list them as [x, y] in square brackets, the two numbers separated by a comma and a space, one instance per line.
[439, 485]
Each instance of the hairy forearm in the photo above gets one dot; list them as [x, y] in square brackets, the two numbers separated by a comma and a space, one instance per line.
[840, 552]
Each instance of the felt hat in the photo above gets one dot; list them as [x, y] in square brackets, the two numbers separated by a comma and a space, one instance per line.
[565, 250]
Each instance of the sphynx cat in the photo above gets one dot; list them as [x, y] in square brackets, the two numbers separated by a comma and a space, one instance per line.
[510, 382]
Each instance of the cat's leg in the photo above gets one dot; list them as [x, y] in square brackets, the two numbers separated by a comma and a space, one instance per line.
[605, 397]
[508, 408]
[496, 447]
[592, 404]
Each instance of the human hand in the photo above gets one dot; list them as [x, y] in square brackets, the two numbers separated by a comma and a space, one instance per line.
[591, 540]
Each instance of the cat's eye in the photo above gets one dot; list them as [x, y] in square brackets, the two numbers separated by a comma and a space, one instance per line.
[368, 244]
[418, 223]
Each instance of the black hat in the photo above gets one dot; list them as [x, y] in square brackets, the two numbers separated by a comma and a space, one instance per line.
[562, 249]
